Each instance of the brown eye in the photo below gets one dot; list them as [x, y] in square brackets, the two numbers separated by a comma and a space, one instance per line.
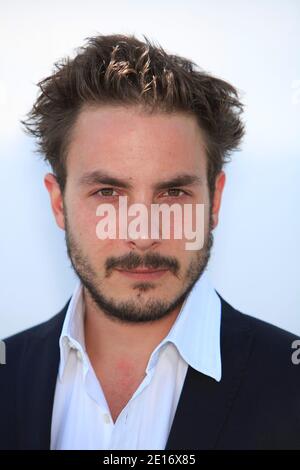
[106, 192]
[175, 192]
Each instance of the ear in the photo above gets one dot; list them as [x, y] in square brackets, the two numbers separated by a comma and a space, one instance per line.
[56, 199]
[219, 186]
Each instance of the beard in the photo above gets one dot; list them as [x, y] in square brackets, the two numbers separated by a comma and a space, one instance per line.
[137, 309]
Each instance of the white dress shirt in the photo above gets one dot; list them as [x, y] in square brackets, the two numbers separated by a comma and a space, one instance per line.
[81, 418]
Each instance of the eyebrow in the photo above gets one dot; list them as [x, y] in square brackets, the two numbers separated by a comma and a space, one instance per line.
[179, 180]
[98, 177]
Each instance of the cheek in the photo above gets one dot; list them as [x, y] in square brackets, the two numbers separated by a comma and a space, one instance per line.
[192, 224]
[176, 249]
[82, 221]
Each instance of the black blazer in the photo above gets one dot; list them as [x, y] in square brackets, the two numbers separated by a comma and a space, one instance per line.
[256, 405]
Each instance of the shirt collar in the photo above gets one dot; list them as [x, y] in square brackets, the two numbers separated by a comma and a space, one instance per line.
[195, 333]
[72, 335]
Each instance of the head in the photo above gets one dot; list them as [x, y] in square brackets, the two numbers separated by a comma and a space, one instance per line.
[124, 118]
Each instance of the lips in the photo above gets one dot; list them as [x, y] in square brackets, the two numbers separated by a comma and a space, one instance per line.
[143, 273]
[143, 270]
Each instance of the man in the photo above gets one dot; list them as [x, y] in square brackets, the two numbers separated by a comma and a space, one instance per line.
[146, 354]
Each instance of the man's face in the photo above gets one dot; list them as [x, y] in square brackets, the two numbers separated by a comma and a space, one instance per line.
[138, 156]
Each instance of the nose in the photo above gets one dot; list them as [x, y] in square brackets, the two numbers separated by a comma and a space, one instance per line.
[141, 240]
[142, 244]
[143, 233]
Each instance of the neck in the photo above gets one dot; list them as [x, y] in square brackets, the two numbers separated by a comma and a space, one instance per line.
[110, 341]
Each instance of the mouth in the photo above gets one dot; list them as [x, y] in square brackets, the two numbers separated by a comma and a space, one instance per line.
[143, 274]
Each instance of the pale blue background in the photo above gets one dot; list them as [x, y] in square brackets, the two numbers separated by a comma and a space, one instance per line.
[254, 45]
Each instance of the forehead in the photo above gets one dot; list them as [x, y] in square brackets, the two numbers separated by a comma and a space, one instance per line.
[131, 141]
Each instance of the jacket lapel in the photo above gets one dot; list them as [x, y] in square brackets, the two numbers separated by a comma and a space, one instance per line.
[36, 384]
[204, 403]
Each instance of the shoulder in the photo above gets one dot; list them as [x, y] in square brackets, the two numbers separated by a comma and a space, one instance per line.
[16, 345]
[274, 353]
[266, 336]
[40, 330]
[23, 351]
[258, 364]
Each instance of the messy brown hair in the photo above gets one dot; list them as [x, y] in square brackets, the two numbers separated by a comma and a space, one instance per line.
[122, 70]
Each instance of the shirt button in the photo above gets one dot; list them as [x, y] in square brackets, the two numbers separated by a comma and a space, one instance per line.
[106, 418]
[79, 355]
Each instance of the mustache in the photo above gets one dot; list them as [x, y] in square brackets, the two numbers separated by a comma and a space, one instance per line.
[150, 260]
